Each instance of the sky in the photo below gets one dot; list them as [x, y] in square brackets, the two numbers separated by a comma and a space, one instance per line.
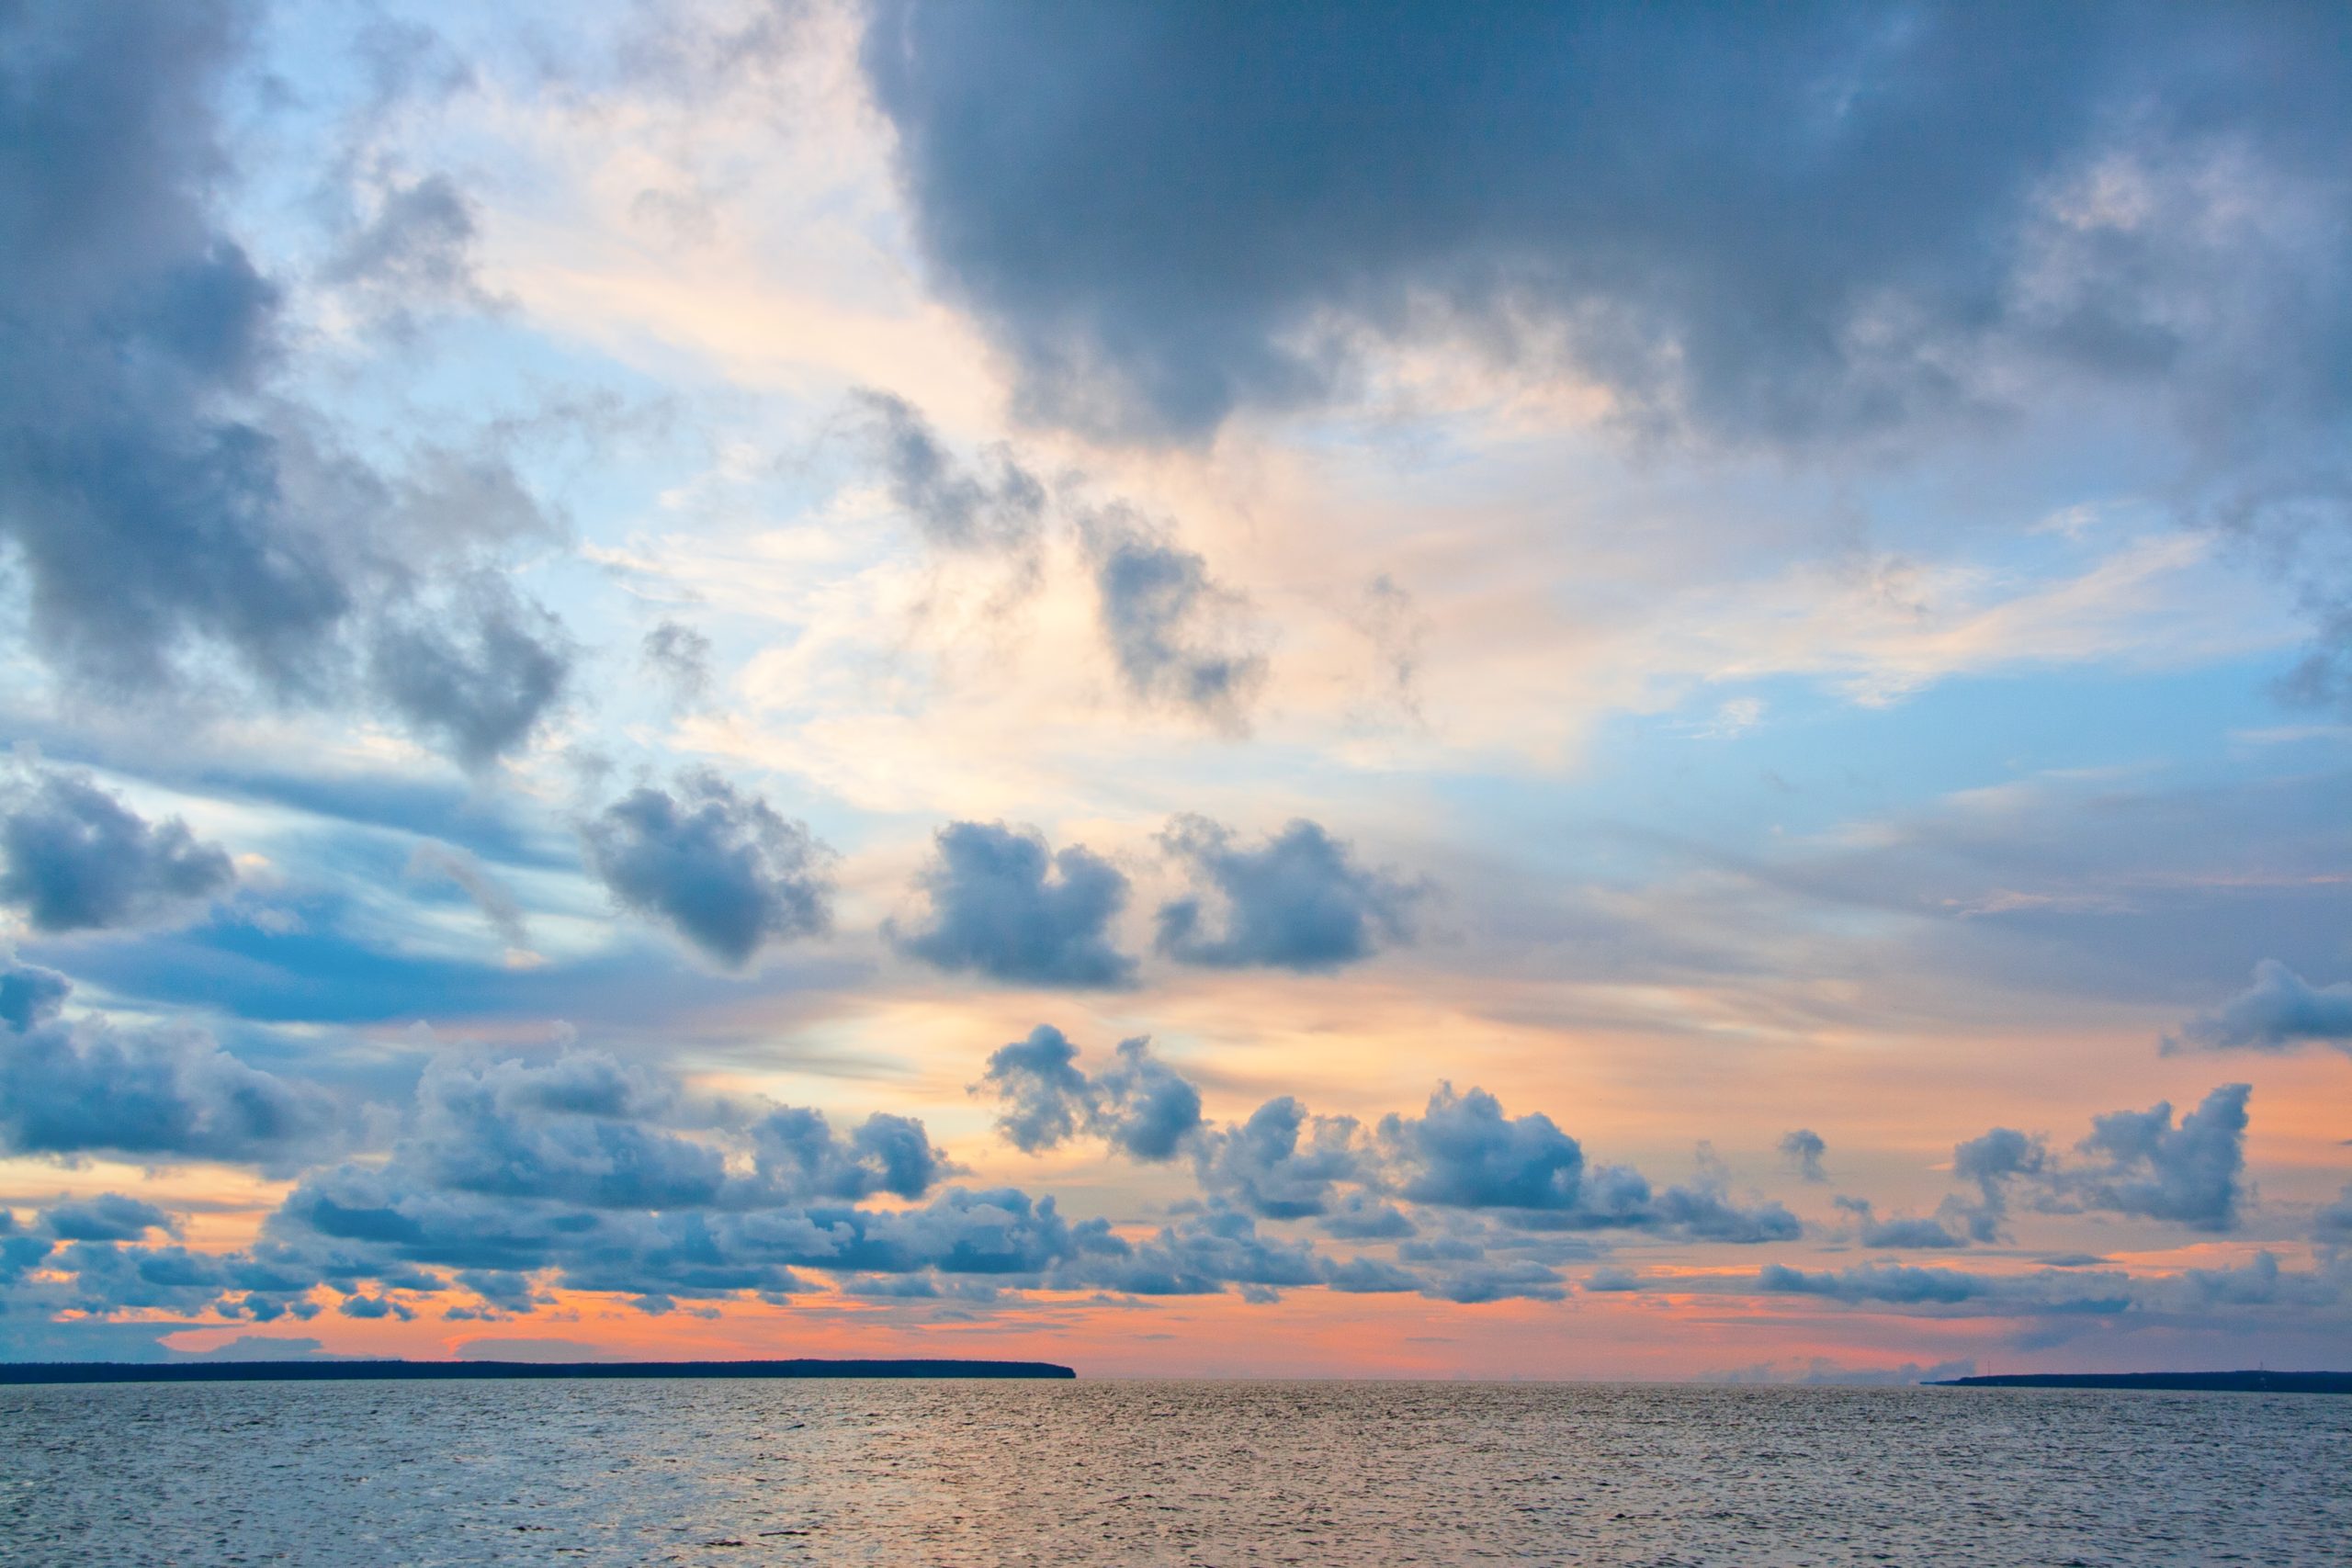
[1196, 689]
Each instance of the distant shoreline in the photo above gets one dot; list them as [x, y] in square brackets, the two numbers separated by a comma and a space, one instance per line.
[2182, 1382]
[353, 1372]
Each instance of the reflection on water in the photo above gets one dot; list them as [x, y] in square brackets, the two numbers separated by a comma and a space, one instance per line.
[1175, 1472]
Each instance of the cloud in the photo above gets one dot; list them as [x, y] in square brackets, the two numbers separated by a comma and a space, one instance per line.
[1803, 1150]
[87, 1085]
[1137, 1105]
[491, 897]
[1900, 1230]
[1706, 1210]
[1175, 633]
[1299, 901]
[1464, 1153]
[109, 1217]
[479, 673]
[2136, 1163]
[1897, 1283]
[1778, 225]
[173, 512]
[1000, 506]
[800, 1155]
[2333, 1223]
[416, 251]
[29, 995]
[1262, 1164]
[719, 866]
[1004, 905]
[73, 857]
[680, 657]
[2150, 1169]
[583, 1129]
[2278, 1013]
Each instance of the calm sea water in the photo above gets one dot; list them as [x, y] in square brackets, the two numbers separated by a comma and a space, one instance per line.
[1173, 1472]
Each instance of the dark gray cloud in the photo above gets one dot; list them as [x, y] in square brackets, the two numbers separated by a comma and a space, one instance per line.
[996, 504]
[1803, 1150]
[1004, 905]
[109, 1217]
[479, 672]
[144, 511]
[1902, 1230]
[1285, 1165]
[1047, 1096]
[2194, 1294]
[1298, 901]
[2145, 1166]
[1178, 636]
[1897, 1283]
[87, 1085]
[2278, 1013]
[587, 1130]
[1137, 1105]
[29, 995]
[1464, 1153]
[800, 1155]
[1359, 1216]
[2136, 1163]
[1504, 1280]
[171, 514]
[1706, 1210]
[721, 867]
[1782, 224]
[73, 857]
[583, 1130]
[1281, 1162]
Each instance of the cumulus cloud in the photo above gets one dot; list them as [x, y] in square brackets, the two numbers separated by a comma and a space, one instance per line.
[1004, 904]
[721, 866]
[2278, 1013]
[1137, 1105]
[1284, 1164]
[997, 505]
[583, 1129]
[1176, 636]
[1464, 1152]
[2147, 1167]
[2136, 1163]
[87, 1085]
[1782, 225]
[800, 1155]
[73, 857]
[480, 672]
[1803, 1150]
[1299, 901]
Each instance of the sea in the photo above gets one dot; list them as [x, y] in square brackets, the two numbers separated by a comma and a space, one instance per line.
[906, 1472]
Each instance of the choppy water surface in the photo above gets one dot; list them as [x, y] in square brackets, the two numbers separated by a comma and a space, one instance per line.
[1174, 1472]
